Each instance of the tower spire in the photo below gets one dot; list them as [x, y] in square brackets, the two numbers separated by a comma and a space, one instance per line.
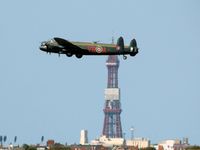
[112, 64]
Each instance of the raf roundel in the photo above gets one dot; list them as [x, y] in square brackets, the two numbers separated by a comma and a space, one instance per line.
[99, 49]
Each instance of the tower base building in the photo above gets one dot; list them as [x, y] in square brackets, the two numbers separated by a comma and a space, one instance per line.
[109, 142]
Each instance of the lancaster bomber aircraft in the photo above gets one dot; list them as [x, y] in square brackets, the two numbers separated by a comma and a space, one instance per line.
[62, 46]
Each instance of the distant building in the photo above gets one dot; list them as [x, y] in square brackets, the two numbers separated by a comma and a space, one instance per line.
[50, 143]
[87, 147]
[173, 144]
[101, 147]
[84, 137]
[169, 144]
[41, 148]
[108, 142]
[132, 148]
[185, 141]
[138, 142]
[183, 145]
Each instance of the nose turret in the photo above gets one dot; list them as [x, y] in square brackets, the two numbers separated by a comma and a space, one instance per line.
[43, 46]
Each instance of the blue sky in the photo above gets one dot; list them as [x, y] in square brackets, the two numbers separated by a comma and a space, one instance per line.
[44, 95]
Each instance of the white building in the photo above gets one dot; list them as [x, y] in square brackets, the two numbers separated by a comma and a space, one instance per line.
[139, 142]
[83, 137]
[169, 144]
[108, 142]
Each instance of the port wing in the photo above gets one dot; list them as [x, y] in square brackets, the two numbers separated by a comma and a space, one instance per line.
[74, 49]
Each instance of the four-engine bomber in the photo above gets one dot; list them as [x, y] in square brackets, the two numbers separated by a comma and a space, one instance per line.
[62, 46]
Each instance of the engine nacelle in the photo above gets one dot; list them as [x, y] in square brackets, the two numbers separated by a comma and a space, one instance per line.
[120, 44]
[133, 47]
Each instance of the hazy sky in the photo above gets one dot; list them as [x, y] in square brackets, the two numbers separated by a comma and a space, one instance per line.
[44, 95]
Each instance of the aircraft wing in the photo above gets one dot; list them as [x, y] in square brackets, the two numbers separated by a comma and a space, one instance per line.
[69, 46]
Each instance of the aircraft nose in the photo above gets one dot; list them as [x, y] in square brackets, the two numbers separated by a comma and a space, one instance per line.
[43, 46]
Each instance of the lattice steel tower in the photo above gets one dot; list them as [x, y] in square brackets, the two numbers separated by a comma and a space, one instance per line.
[112, 123]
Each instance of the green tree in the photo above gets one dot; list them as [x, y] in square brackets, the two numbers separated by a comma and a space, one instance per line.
[25, 146]
[193, 148]
[58, 146]
[32, 148]
[148, 148]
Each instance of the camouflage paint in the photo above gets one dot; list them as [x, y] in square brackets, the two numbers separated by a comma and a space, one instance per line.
[99, 48]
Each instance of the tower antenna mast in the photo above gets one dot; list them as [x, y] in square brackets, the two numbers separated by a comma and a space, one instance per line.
[132, 132]
[113, 40]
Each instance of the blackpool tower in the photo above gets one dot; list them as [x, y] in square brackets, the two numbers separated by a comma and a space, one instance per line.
[112, 123]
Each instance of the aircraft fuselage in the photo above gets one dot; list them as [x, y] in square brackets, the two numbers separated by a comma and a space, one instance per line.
[62, 46]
